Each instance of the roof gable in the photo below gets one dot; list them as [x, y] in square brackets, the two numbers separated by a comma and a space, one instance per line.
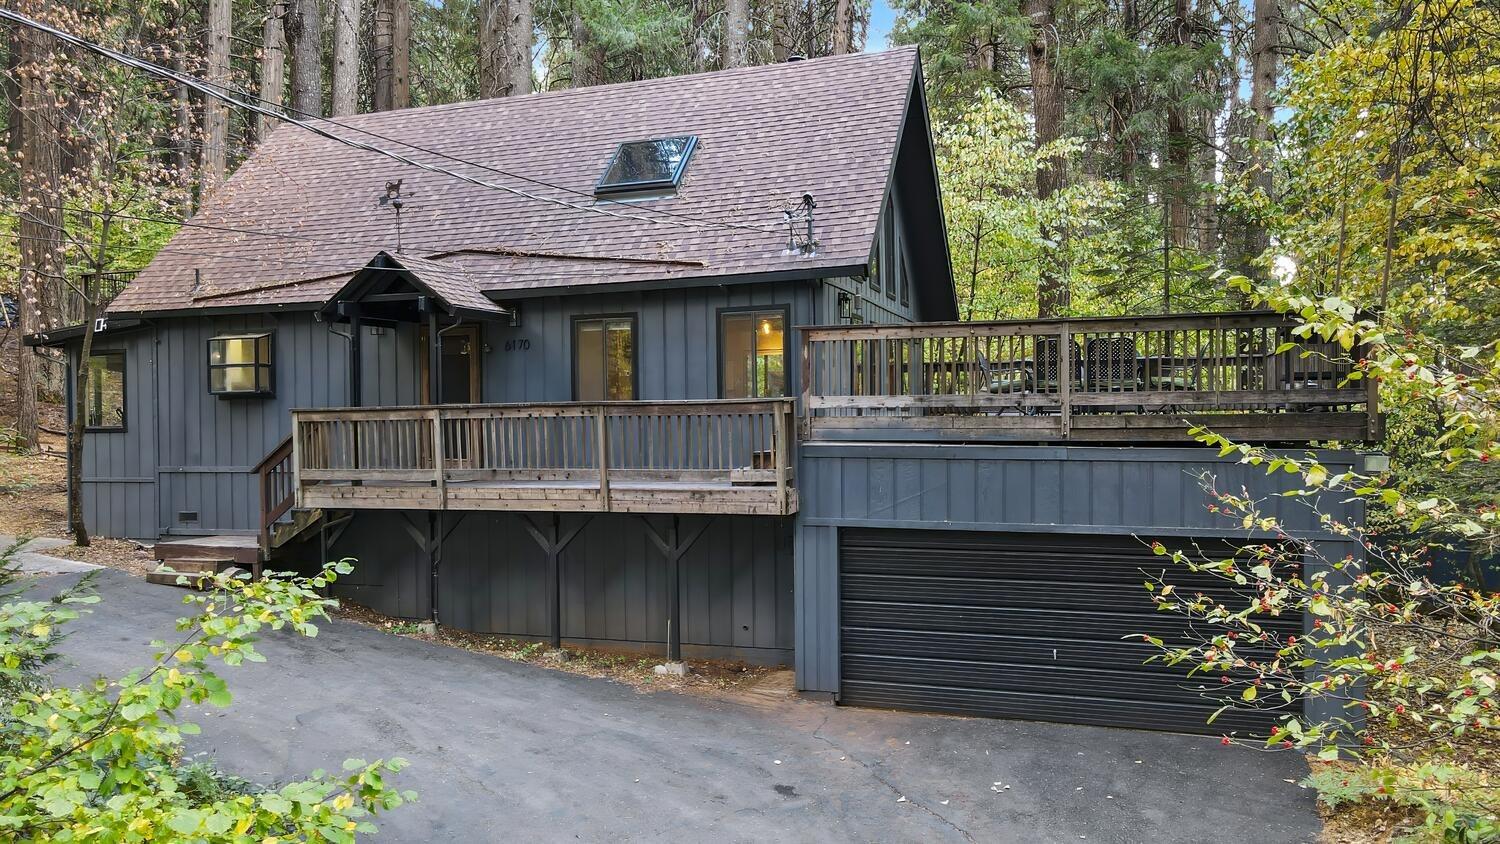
[307, 213]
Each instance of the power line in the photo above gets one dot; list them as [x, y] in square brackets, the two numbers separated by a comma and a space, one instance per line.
[337, 268]
[208, 89]
[496, 170]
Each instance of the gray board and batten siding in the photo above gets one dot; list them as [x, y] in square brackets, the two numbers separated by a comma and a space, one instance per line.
[1149, 493]
[735, 580]
[185, 452]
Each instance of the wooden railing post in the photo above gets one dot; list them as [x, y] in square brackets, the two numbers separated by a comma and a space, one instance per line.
[439, 475]
[1065, 377]
[779, 448]
[807, 382]
[601, 453]
[297, 457]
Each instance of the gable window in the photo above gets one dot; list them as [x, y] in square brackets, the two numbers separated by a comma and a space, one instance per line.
[104, 402]
[240, 365]
[893, 250]
[604, 359]
[643, 166]
[874, 272]
[752, 354]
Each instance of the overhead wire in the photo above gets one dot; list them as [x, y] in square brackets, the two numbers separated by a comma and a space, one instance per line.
[211, 90]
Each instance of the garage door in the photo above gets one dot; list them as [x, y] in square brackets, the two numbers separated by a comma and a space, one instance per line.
[1019, 626]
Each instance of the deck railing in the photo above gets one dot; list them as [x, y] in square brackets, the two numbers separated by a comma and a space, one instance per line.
[1116, 379]
[517, 452]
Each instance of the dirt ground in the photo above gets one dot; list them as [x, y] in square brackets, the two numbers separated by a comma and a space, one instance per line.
[633, 669]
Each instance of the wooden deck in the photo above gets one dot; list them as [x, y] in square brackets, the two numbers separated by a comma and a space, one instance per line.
[1124, 380]
[629, 457]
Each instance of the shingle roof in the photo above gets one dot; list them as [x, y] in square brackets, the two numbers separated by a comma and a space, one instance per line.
[767, 135]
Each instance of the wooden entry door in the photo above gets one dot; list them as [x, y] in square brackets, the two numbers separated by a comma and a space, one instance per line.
[460, 365]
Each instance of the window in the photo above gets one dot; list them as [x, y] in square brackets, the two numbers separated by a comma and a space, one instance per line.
[874, 273]
[104, 405]
[240, 365]
[753, 354]
[604, 359]
[893, 250]
[647, 165]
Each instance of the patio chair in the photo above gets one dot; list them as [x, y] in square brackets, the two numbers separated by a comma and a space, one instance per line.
[1110, 365]
[1049, 363]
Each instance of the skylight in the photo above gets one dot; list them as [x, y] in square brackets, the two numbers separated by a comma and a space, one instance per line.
[643, 166]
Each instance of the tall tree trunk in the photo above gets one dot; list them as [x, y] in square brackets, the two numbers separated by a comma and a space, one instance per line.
[1047, 97]
[736, 33]
[346, 16]
[182, 102]
[1264, 43]
[1179, 153]
[392, 54]
[702, 50]
[520, 38]
[272, 69]
[843, 27]
[492, 34]
[304, 27]
[10, 88]
[1122, 105]
[40, 226]
[588, 55]
[214, 160]
[783, 27]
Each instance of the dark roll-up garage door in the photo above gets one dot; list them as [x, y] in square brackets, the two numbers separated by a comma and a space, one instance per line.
[1020, 626]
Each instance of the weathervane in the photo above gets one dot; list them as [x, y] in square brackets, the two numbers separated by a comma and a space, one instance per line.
[393, 198]
[802, 242]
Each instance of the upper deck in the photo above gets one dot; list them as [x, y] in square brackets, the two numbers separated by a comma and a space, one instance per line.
[1112, 380]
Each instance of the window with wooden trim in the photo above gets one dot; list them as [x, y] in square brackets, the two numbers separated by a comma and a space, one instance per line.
[604, 359]
[752, 354]
[240, 365]
[104, 401]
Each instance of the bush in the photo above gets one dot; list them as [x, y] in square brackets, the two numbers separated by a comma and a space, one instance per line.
[103, 761]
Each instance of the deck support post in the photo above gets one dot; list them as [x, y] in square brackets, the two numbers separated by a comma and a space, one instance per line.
[434, 558]
[553, 539]
[673, 546]
[356, 381]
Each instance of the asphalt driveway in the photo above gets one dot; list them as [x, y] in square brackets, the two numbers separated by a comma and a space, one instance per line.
[508, 751]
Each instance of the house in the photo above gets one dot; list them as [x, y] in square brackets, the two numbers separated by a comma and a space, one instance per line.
[672, 366]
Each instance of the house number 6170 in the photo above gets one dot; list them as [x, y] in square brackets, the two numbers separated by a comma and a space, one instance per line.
[520, 345]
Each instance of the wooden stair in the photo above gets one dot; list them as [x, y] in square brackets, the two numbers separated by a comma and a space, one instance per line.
[201, 557]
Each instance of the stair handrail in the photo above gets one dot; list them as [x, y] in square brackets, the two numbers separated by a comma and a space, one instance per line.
[277, 491]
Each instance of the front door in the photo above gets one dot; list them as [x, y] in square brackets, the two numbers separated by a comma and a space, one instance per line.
[459, 367]
[459, 384]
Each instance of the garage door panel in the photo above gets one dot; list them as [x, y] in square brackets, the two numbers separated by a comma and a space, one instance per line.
[995, 592]
[1098, 711]
[1024, 625]
[1037, 678]
[1103, 626]
[1029, 650]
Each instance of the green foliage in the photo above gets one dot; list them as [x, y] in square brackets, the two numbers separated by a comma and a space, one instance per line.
[102, 761]
[995, 222]
[1453, 803]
